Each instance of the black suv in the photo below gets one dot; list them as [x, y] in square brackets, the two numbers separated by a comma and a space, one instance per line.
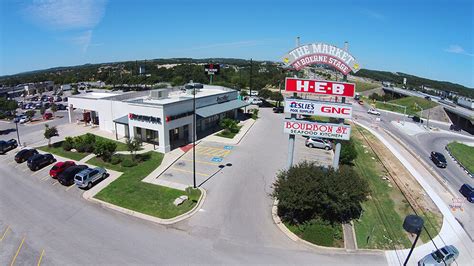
[7, 145]
[439, 159]
[454, 127]
[38, 161]
[66, 177]
[24, 155]
[417, 119]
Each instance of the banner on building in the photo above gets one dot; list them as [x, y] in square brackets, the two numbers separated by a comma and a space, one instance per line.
[316, 129]
[320, 108]
[322, 87]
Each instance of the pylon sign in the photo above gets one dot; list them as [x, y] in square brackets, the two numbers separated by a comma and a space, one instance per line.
[317, 129]
[320, 108]
[322, 87]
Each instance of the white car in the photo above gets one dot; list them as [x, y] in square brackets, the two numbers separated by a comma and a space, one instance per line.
[254, 100]
[23, 119]
[372, 111]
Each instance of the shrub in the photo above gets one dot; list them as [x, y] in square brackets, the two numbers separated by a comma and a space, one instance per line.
[230, 125]
[128, 163]
[307, 191]
[348, 152]
[68, 144]
[255, 113]
[105, 149]
[115, 160]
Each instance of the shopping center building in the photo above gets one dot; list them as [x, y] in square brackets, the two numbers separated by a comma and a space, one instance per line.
[162, 117]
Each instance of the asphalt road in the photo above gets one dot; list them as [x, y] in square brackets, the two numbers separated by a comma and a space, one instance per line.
[422, 144]
[234, 225]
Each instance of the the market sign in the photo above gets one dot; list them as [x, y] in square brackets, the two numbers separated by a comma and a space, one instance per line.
[321, 53]
[323, 87]
[317, 129]
[320, 108]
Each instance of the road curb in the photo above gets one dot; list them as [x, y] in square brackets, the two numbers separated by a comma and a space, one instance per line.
[294, 237]
[146, 216]
[459, 163]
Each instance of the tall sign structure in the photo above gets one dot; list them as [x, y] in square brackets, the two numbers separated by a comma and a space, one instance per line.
[341, 60]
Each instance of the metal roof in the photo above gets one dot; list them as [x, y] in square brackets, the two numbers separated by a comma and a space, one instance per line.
[220, 108]
[122, 120]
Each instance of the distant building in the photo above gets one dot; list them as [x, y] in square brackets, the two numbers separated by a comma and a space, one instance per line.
[466, 102]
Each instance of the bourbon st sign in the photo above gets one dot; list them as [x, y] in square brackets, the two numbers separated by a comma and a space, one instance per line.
[321, 53]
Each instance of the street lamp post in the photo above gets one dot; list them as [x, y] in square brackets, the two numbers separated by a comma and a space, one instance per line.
[413, 224]
[17, 134]
[194, 136]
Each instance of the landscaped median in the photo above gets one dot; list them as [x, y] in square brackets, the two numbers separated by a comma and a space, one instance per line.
[464, 154]
[410, 102]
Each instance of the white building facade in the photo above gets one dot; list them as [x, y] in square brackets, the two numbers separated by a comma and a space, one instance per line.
[163, 117]
[466, 102]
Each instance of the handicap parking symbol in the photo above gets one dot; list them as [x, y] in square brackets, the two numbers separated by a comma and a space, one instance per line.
[217, 159]
[228, 147]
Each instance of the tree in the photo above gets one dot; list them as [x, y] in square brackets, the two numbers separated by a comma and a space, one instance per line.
[276, 96]
[307, 191]
[244, 93]
[30, 113]
[105, 149]
[264, 93]
[42, 110]
[54, 108]
[75, 91]
[229, 125]
[50, 132]
[133, 145]
[348, 152]
[8, 105]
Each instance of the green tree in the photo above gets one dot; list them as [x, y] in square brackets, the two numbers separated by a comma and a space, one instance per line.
[229, 125]
[8, 105]
[42, 110]
[30, 113]
[244, 93]
[54, 108]
[348, 152]
[133, 145]
[75, 91]
[264, 93]
[276, 96]
[105, 149]
[307, 191]
[50, 132]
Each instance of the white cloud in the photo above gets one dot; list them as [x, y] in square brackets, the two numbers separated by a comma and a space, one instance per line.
[457, 49]
[83, 40]
[66, 14]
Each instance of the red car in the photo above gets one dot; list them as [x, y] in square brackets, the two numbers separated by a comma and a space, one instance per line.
[60, 167]
[47, 116]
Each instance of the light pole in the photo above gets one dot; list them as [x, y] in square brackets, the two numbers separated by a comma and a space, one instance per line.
[194, 136]
[17, 134]
[413, 224]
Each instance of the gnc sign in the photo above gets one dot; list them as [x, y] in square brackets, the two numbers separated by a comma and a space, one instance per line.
[327, 109]
[322, 87]
[316, 129]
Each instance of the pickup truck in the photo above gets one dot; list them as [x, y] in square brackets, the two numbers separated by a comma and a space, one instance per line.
[7, 145]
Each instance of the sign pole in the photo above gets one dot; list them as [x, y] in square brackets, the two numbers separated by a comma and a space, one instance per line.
[291, 142]
[211, 75]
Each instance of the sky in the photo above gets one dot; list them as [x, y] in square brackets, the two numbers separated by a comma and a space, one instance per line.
[427, 38]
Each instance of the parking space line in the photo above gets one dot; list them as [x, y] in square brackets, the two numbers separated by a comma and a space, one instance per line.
[38, 171]
[55, 183]
[40, 258]
[68, 188]
[186, 171]
[200, 161]
[10, 163]
[44, 178]
[5, 233]
[17, 251]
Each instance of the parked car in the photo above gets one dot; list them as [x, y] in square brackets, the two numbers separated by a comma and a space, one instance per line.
[279, 109]
[468, 192]
[61, 106]
[58, 99]
[87, 177]
[454, 127]
[361, 102]
[417, 119]
[7, 145]
[38, 106]
[64, 99]
[255, 100]
[23, 119]
[438, 159]
[24, 155]
[318, 143]
[66, 178]
[372, 111]
[47, 116]
[443, 256]
[59, 167]
[38, 161]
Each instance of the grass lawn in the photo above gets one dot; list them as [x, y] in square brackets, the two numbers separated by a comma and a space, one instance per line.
[409, 102]
[319, 232]
[463, 153]
[120, 145]
[365, 86]
[57, 149]
[129, 192]
[228, 134]
[380, 225]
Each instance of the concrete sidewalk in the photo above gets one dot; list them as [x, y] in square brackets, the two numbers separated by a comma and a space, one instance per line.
[451, 232]
[246, 125]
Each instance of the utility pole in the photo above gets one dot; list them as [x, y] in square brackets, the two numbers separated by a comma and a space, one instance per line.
[250, 81]
[194, 136]
[17, 134]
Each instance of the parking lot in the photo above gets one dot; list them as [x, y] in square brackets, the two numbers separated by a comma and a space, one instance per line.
[210, 159]
[318, 156]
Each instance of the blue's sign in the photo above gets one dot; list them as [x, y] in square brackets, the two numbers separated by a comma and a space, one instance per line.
[228, 147]
[217, 159]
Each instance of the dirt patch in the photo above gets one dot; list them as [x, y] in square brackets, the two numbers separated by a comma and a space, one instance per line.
[437, 113]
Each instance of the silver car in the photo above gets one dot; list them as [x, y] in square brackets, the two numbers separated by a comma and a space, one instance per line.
[87, 177]
[443, 256]
[318, 143]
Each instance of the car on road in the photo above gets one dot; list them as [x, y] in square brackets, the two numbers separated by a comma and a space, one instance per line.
[428, 98]
[438, 159]
[318, 143]
[468, 192]
[47, 116]
[278, 109]
[23, 119]
[59, 167]
[416, 119]
[24, 155]
[66, 178]
[7, 145]
[372, 111]
[87, 177]
[454, 127]
[255, 100]
[443, 256]
[361, 102]
[38, 161]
